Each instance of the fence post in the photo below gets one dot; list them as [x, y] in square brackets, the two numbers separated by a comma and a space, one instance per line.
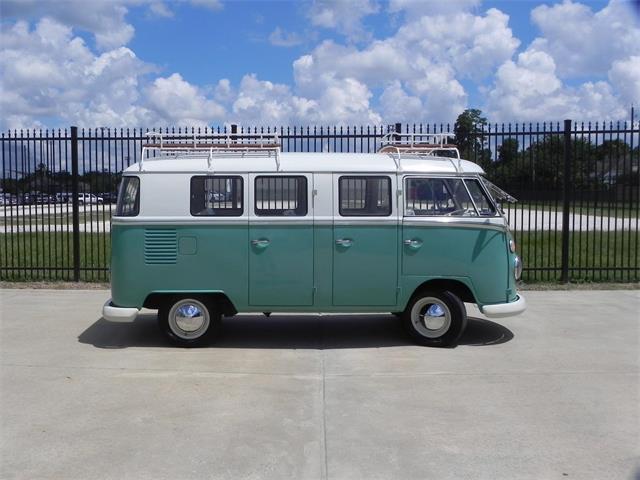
[566, 202]
[398, 129]
[75, 204]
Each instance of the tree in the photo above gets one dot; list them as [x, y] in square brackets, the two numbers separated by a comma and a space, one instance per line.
[469, 137]
[508, 151]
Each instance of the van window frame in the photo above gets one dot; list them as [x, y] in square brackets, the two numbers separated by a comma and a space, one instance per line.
[484, 192]
[444, 176]
[260, 212]
[136, 211]
[365, 177]
[232, 212]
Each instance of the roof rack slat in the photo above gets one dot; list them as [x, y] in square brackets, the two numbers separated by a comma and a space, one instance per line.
[419, 144]
[245, 144]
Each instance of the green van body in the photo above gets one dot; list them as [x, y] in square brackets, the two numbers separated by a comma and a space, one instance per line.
[303, 270]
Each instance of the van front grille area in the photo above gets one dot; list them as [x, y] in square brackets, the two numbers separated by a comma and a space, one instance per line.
[160, 246]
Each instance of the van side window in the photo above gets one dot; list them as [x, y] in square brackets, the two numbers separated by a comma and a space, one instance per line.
[485, 207]
[438, 197]
[278, 196]
[364, 196]
[128, 197]
[216, 196]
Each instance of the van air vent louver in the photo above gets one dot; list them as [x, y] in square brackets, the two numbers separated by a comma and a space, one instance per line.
[160, 246]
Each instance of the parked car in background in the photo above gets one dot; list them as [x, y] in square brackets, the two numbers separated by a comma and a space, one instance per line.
[89, 199]
[62, 197]
[8, 199]
[42, 199]
[108, 197]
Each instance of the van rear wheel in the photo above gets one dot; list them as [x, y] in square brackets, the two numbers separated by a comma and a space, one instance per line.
[435, 318]
[189, 321]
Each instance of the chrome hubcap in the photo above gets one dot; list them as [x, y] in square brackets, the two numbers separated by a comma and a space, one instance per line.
[431, 317]
[189, 319]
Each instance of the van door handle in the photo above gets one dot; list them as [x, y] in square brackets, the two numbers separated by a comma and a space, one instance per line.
[413, 243]
[260, 242]
[344, 242]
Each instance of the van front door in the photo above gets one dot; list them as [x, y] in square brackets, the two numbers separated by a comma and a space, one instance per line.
[281, 241]
[365, 236]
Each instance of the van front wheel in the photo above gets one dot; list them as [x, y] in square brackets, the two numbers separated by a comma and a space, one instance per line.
[435, 318]
[189, 322]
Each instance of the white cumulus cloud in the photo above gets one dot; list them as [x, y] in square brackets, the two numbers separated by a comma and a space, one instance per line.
[583, 42]
[583, 64]
[624, 75]
[177, 102]
[48, 72]
[529, 89]
[344, 16]
[431, 7]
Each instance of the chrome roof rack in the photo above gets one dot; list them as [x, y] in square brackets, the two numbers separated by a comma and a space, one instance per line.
[419, 144]
[212, 145]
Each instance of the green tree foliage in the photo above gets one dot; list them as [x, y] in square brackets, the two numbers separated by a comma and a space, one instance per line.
[469, 137]
[539, 163]
[508, 150]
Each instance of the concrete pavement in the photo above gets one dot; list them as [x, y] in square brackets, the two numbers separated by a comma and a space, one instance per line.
[554, 393]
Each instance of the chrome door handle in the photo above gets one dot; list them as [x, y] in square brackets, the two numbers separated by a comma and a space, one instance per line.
[260, 242]
[344, 242]
[413, 243]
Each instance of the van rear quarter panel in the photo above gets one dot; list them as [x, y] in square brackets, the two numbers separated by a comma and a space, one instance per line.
[207, 257]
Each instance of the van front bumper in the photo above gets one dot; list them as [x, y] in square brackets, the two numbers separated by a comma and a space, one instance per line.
[510, 309]
[118, 314]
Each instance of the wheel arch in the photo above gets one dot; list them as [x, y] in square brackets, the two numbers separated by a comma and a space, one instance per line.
[156, 299]
[458, 287]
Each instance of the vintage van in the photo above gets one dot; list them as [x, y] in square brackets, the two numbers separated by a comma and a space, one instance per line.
[205, 230]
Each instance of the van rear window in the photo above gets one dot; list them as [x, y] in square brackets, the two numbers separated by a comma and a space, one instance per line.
[128, 197]
[216, 196]
[281, 196]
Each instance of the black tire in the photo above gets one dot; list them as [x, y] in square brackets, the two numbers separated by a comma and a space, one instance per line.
[170, 318]
[449, 316]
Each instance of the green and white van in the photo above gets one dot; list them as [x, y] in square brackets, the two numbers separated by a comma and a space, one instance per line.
[203, 231]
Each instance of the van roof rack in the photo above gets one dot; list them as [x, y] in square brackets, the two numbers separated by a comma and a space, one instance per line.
[419, 144]
[211, 145]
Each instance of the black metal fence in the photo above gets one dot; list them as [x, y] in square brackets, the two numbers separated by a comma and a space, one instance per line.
[577, 184]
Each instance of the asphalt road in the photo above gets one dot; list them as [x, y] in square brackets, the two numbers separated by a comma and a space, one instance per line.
[554, 393]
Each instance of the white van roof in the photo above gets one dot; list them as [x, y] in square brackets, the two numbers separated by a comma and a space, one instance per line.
[302, 162]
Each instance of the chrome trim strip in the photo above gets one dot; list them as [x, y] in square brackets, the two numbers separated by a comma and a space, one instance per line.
[179, 220]
[366, 221]
[454, 224]
[449, 222]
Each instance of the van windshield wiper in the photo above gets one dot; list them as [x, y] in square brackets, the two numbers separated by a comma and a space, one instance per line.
[497, 193]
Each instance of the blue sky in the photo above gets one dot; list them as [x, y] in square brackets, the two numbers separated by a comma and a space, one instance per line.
[207, 62]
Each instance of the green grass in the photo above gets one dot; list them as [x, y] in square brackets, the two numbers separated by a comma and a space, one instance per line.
[53, 250]
[589, 251]
[53, 218]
